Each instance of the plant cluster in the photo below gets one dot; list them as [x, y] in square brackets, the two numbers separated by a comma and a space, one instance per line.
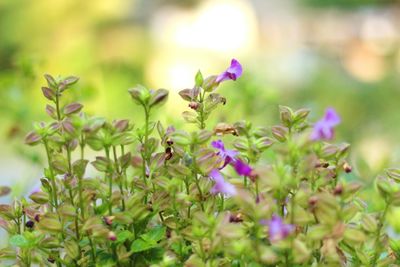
[227, 195]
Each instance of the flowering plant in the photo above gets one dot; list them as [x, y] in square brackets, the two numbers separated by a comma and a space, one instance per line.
[228, 195]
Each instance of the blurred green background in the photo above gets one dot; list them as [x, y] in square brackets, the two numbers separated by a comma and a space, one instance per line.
[309, 53]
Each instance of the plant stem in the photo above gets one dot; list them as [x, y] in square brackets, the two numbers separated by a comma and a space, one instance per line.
[52, 177]
[121, 188]
[144, 146]
[92, 249]
[201, 111]
[124, 170]
[107, 149]
[57, 101]
[80, 187]
[377, 245]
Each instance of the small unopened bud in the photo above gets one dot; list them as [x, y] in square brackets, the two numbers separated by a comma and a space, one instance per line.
[37, 217]
[347, 168]
[150, 207]
[338, 190]
[223, 100]
[253, 176]
[236, 218]
[168, 153]
[312, 200]
[168, 232]
[108, 220]
[194, 105]
[322, 164]
[29, 224]
[112, 236]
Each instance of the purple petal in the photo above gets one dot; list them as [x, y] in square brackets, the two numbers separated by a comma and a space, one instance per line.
[242, 168]
[278, 230]
[324, 128]
[221, 186]
[332, 117]
[226, 155]
[222, 77]
[216, 175]
[218, 144]
[234, 71]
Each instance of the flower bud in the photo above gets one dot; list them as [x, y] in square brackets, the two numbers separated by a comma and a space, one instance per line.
[312, 201]
[168, 153]
[121, 125]
[347, 168]
[140, 94]
[32, 138]
[40, 197]
[108, 220]
[210, 84]
[394, 174]
[29, 224]
[286, 115]
[158, 97]
[338, 190]
[279, 132]
[194, 105]
[49, 93]
[112, 236]
[72, 108]
[236, 218]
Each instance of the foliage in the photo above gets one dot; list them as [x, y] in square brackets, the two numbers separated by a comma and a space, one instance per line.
[176, 200]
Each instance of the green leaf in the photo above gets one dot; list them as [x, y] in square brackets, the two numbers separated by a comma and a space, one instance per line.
[141, 245]
[123, 236]
[199, 79]
[156, 234]
[19, 241]
[148, 240]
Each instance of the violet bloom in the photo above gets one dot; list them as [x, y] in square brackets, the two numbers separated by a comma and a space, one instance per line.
[242, 168]
[324, 128]
[221, 186]
[228, 156]
[278, 230]
[232, 73]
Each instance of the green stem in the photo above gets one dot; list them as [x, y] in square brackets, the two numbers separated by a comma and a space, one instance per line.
[80, 187]
[57, 101]
[201, 111]
[124, 170]
[196, 178]
[52, 176]
[257, 188]
[222, 203]
[187, 193]
[378, 235]
[92, 249]
[145, 156]
[107, 149]
[78, 238]
[121, 188]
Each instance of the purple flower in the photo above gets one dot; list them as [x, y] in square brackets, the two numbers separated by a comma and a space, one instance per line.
[242, 168]
[221, 186]
[277, 229]
[324, 128]
[232, 73]
[228, 156]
